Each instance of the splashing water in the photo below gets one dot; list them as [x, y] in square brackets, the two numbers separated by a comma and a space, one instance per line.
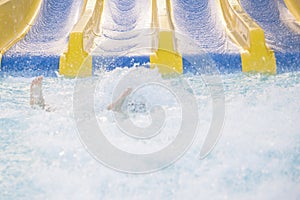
[257, 157]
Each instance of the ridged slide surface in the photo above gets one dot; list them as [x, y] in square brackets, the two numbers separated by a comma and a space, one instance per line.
[271, 16]
[202, 22]
[49, 34]
[125, 26]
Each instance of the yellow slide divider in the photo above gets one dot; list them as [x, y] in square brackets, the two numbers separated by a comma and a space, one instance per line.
[294, 8]
[256, 56]
[81, 41]
[16, 18]
[166, 53]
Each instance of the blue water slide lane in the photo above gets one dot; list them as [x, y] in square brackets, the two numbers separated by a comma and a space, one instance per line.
[201, 21]
[123, 24]
[38, 52]
[279, 36]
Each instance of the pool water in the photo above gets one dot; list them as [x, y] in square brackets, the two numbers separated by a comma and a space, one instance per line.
[257, 156]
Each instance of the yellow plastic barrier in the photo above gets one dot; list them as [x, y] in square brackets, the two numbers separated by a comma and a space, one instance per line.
[294, 8]
[16, 18]
[166, 53]
[256, 56]
[81, 41]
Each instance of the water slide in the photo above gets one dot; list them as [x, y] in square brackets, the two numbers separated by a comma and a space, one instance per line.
[125, 31]
[65, 36]
[47, 37]
[281, 32]
[50, 32]
[16, 18]
[203, 22]
[281, 28]
[124, 22]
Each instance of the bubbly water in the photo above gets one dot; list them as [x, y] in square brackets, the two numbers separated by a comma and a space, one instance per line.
[257, 156]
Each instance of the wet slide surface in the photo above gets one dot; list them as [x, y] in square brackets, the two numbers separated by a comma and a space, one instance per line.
[49, 34]
[269, 14]
[38, 52]
[202, 21]
[125, 26]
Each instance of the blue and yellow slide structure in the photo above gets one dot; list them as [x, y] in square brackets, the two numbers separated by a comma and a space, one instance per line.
[53, 37]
